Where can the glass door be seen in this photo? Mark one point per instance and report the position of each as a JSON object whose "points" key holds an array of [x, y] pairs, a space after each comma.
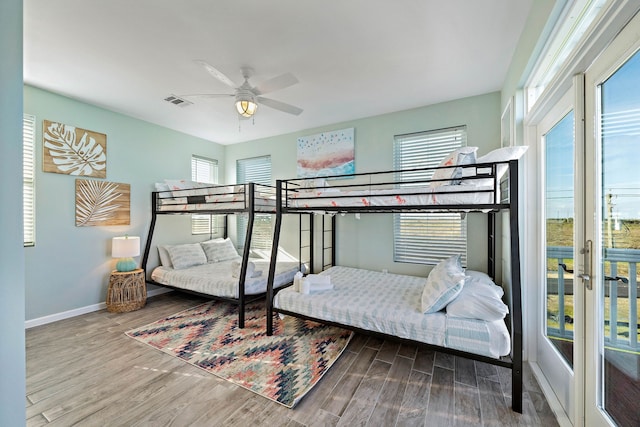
{"points": [[612, 206], [555, 339]]}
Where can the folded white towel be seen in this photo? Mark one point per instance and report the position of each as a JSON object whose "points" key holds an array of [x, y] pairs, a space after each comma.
{"points": [[319, 279], [297, 278], [236, 266], [308, 286]]}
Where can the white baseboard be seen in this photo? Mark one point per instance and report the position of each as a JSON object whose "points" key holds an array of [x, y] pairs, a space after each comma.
{"points": [[554, 403], [80, 311]]}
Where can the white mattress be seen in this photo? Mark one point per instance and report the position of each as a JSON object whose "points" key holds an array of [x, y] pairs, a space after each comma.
{"points": [[216, 279], [424, 195], [221, 202], [390, 304]]}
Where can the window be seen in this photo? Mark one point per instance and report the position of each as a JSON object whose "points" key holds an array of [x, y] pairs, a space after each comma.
{"points": [[256, 170], [427, 238], [29, 179], [574, 19], [204, 170]]}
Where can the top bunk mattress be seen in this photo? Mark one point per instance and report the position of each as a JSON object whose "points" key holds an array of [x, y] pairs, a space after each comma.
{"points": [[390, 304], [188, 196], [395, 197]]}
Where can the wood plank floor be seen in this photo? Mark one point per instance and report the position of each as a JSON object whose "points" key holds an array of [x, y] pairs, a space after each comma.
{"points": [[84, 371]]}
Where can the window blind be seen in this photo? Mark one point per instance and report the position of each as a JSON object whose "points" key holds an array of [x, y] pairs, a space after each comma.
{"points": [[204, 170], [28, 179], [427, 238], [256, 170]]}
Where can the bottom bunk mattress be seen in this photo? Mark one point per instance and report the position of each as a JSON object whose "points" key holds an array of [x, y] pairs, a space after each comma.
{"points": [[216, 278], [391, 304]]}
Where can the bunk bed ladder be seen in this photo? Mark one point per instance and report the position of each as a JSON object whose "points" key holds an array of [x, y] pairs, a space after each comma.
{"points": [[491, 242], [274, 256], [245, 253], [332, 233], [516, 292], [309, 245], [152, 226]]}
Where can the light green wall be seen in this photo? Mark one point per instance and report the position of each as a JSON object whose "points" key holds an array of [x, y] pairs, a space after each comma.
{"points": [[69, 266], [12, 348], [529, 45], [367, 242]]}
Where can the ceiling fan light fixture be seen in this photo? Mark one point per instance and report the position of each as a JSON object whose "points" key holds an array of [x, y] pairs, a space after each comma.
{"points": [[246, 107]]}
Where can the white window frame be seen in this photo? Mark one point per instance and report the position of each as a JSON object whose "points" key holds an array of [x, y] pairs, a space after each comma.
{"points": [[258, 171], [570, 21], [204, 170], [427, 238], [29, 179]]}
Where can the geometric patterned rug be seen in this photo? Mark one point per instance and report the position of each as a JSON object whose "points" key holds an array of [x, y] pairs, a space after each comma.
{"points": [[282, 367]]}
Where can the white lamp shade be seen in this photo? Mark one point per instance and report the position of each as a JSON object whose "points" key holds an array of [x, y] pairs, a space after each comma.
{"points": [[125, 247]]}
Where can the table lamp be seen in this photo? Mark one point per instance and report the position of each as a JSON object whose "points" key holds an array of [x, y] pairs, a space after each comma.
{"points": [[125, 248]]}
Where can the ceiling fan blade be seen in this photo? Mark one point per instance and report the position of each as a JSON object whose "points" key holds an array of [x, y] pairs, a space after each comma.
{"points": [[276, 83], [278, 105], [216, 73], [208, 95]]}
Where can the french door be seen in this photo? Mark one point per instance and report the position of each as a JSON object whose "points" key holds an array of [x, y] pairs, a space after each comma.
{"points": [[612, 223], [556, 335], [587, 342]]}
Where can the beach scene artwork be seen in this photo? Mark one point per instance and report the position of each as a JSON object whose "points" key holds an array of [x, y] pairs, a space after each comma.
{"points": [[327, 153]]}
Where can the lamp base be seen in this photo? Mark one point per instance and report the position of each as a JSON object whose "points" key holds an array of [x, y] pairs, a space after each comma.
{"points": [[125, 264]]}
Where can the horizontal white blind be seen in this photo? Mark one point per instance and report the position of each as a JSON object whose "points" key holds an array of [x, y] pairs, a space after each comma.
{"points": [[256, 170], [28, 179], [204, 170], [427, 238]]}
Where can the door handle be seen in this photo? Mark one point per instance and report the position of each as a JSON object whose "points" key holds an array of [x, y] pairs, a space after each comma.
{"points": [[586, 275]]}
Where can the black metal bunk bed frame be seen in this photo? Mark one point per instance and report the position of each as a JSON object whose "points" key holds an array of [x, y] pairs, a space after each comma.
{"points": [[249, 207], [514, 362]]}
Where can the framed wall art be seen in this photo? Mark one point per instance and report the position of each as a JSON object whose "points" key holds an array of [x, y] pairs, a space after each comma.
{"points": [[73, 151], [102, 203], [327, 153]]}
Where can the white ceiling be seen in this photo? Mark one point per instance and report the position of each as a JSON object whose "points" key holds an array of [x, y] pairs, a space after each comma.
{"points": [[353, 58]]}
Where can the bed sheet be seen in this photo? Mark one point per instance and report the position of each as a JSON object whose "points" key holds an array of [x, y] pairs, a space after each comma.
{"points": [[442, 195], [262, 203], [216, 279], [390, 304]]}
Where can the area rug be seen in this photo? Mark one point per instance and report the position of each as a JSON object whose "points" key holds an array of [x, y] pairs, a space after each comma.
{"points": [[282, 367]]}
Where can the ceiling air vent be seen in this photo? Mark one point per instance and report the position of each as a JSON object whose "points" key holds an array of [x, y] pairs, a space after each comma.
{"points": [[176, 100]]}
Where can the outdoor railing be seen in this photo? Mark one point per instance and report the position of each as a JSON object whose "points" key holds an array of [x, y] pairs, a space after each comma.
{"points": [[615, 286]]}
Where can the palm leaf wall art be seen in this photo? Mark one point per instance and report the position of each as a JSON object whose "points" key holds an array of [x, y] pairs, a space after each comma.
{"points": [[73, 151], [102, 203]]}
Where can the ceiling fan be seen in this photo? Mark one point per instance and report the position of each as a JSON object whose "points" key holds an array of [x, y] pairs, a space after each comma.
{"points": [[247, 96]]}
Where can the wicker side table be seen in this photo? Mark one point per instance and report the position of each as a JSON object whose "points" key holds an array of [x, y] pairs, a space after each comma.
{"points": [[127, 291]]}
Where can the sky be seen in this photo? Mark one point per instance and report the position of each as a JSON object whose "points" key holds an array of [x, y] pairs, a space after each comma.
{"points": [[620, 96]]}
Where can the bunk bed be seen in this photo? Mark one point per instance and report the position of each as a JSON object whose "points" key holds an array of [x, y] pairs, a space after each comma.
{"points": [[389, 305], [214, 268]]}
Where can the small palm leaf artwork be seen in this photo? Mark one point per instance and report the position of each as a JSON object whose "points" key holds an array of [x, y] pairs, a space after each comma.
{"points": [[102, 203], [73, 151]]}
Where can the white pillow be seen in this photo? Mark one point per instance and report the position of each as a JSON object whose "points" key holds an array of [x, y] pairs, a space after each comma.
{"points": [[215, 239], [472, 305], [184, 188], [165, 259], [186, 255], [217, 251], [444, 283], [481, 284], [503, 154], [478, 275], [461, 156], [162, 186]]}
